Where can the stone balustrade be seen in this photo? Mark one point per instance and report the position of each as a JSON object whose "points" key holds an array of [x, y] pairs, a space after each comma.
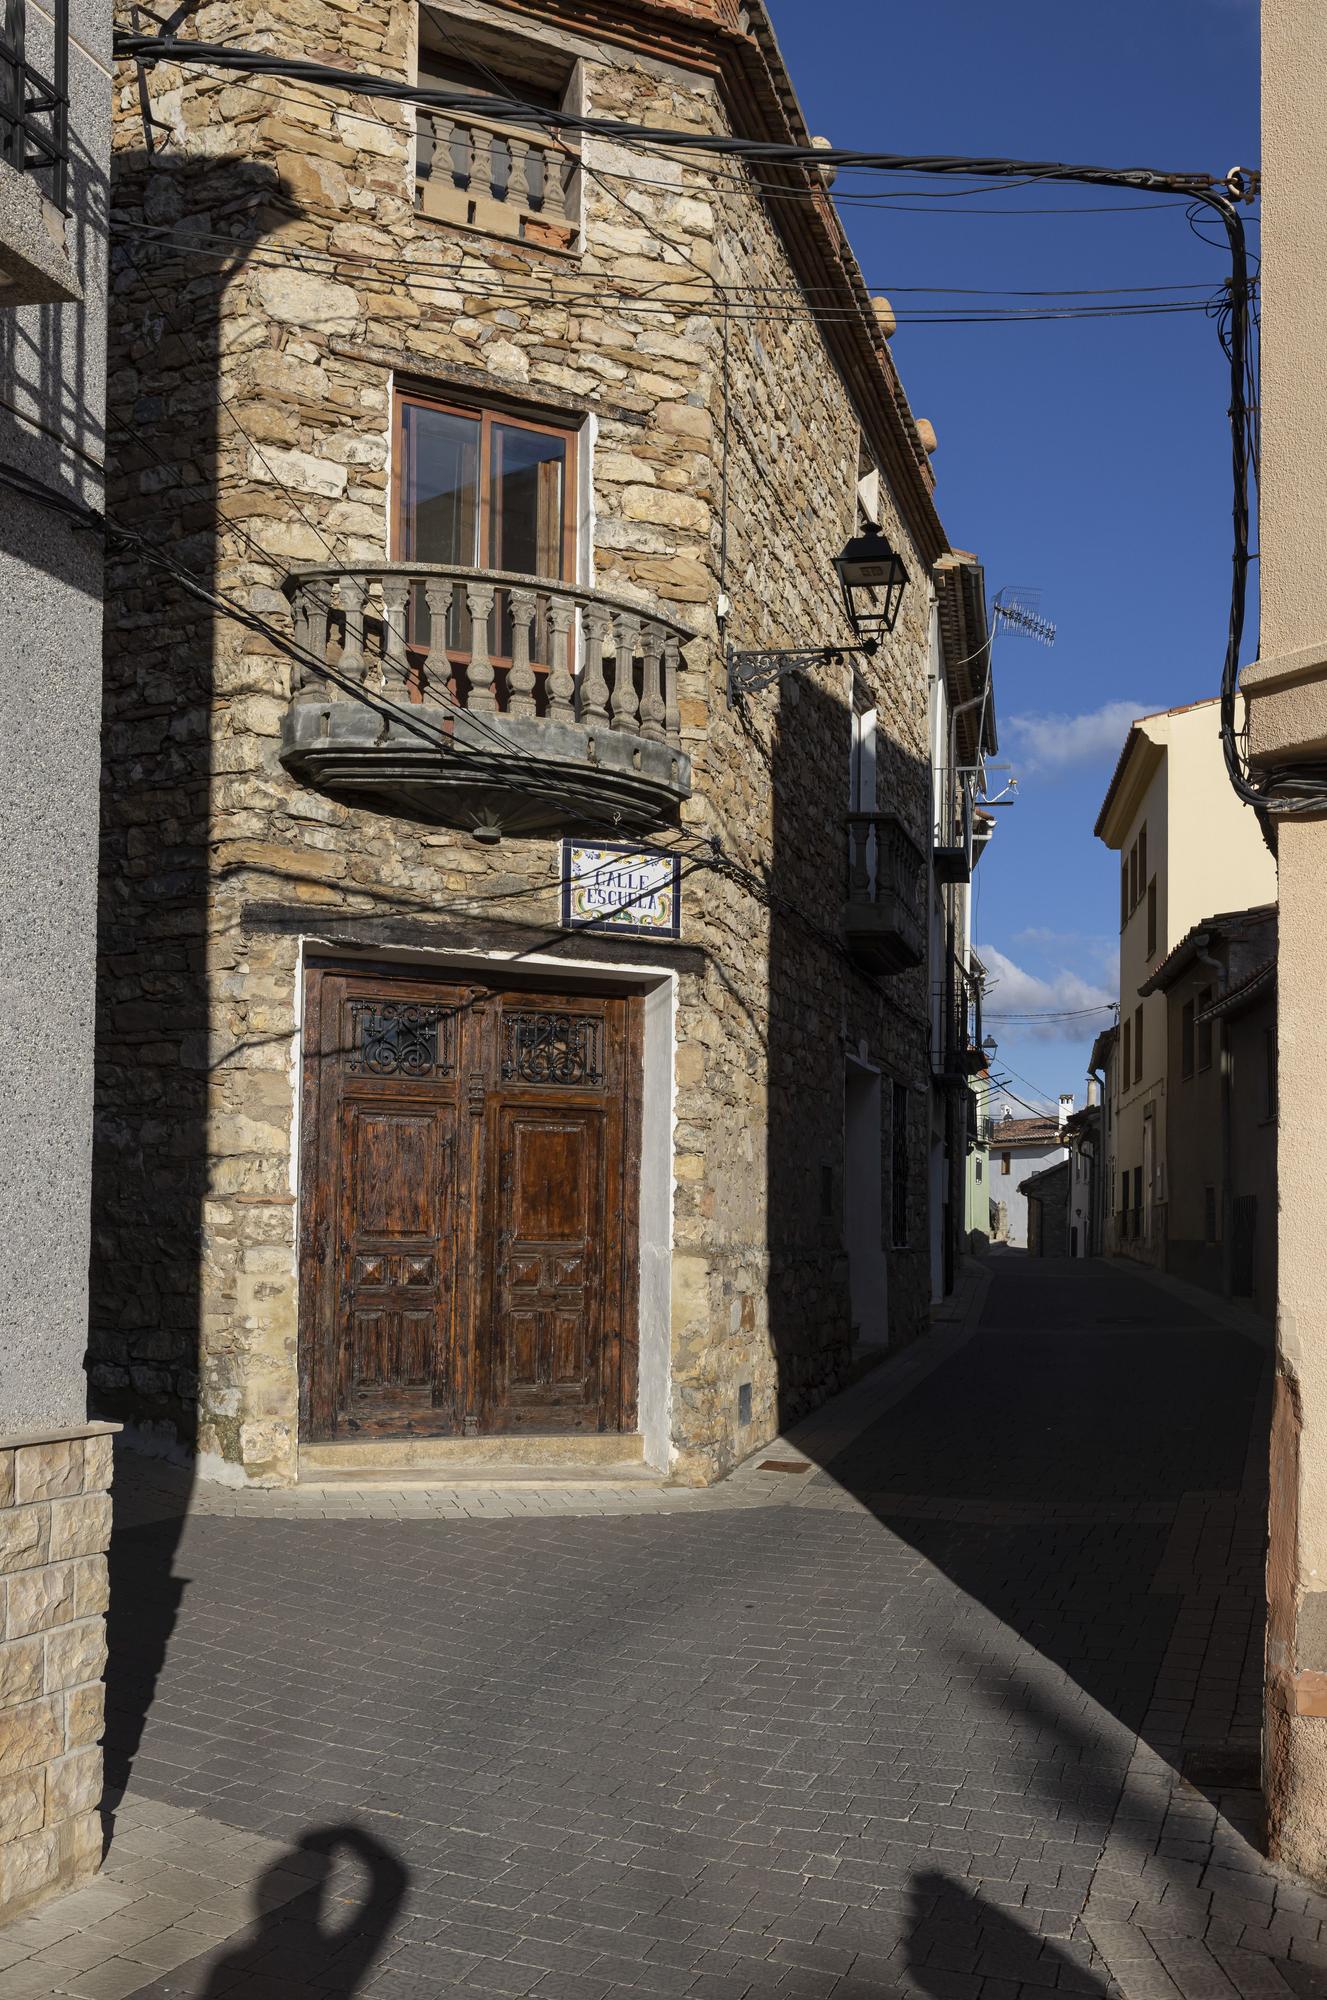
{"points": [[507, 180], [502, 668]]}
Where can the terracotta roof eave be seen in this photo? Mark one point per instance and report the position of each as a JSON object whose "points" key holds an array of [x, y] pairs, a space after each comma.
{"points": [[1241, 996], [1194, 942]]}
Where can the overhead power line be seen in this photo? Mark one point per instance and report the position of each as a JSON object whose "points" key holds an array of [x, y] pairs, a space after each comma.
{"points": [[1303, 789]]}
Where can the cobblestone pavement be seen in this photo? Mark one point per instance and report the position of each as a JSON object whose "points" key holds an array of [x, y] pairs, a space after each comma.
{"points": [[967, 1709]]}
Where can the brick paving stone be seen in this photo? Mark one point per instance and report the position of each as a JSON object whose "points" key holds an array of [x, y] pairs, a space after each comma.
{"points": [[931, 1719]]}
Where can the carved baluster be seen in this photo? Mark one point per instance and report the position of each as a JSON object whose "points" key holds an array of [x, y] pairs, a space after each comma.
{"points": [[554, 193], [396, 665], [672, 661], [428, 134], [437, 667], [859, 874], [311, 634], [518, 179], [520, 676], [479, 598], [594, 688], [626, 640], [652, 701], [561, 686], [481, 164], [299, 621], [350, 590]]}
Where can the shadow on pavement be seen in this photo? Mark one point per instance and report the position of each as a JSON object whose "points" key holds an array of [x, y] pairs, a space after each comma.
{"points": [[324, 1941]]}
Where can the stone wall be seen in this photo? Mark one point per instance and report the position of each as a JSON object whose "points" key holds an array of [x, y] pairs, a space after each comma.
{"points": [[305, 286], [55, 1525]]}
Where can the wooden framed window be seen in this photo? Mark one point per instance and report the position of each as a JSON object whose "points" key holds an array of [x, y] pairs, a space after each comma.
{"points": [[1126, 1067], [481, 488], [1152, 917], [484, 489], [1004, 1163]]}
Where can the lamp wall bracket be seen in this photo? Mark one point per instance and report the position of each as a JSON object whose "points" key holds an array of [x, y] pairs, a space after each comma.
{"points": [[760, 667]]}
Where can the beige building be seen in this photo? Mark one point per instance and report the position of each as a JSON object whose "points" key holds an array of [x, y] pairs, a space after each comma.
{"points": [[514, 1024], [1286, 691], [1187, 847]]}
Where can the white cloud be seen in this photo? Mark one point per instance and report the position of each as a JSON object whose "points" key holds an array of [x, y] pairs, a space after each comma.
{"points": [[1103, 951], [1052, 742], [1012, 990]]}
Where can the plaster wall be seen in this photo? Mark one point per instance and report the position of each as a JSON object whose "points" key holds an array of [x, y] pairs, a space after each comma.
{"points": [[1024, 1161], [52, 362], [1207, 854], [1288, 719]]}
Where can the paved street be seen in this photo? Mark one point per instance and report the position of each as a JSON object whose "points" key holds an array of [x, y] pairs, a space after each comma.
{"points": [[967, 1709]]}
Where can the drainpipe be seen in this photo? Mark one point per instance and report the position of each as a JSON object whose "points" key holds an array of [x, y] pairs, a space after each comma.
{"points": [[1227, 1199], [1098, 1077]]}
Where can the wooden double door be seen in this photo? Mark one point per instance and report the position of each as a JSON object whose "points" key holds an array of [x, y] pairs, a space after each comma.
{"points": [[468, 1207]]}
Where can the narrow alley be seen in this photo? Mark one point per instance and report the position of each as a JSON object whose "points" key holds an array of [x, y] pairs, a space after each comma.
{"points": [[962, 1702]]}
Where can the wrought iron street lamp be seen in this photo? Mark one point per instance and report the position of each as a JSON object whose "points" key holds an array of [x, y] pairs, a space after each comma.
{"points": [[872, 577]]}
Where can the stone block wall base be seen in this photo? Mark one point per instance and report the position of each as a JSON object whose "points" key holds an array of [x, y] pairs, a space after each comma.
{"points": [[38, 1866], [1295, 1781], [55, 1528]]}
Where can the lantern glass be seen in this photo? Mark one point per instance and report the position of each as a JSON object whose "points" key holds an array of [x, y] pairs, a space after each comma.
{"points": [[872, 578]]}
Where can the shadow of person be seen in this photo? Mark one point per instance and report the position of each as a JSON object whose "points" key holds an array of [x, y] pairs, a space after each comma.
{"points": [[294, 1950]]}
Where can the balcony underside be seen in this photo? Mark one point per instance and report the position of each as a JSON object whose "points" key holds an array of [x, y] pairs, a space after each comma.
{"points": [[884, 937], [520, 774]]}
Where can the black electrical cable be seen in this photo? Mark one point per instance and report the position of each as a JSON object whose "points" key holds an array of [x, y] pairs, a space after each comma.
{"points": [[1304, 789]]}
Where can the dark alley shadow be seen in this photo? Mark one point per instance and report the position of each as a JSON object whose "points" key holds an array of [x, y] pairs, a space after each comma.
{"points": [[1091, 1468], [849, 1075], [150, 1186]]}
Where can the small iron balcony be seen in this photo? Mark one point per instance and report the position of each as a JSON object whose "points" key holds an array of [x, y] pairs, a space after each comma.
{"points": [[884, 923], [483, 698]]}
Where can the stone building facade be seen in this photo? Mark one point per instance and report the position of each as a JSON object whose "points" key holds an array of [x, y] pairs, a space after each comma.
{"points": [[318, 298]]}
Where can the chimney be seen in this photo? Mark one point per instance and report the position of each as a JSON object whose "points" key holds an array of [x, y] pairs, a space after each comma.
{"points": [[1093, 1091], [1066, 1107]]}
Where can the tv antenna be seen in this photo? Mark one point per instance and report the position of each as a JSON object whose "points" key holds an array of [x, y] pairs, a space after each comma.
{"points": [[1018, 609]]}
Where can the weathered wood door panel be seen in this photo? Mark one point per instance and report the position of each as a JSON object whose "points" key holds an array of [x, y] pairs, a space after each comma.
{"points": [[468, 1208], [549, 1276], [396, 1281]]}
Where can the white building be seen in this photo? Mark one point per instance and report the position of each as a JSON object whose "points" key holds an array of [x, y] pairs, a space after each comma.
{"points": [[1020, 1147]]}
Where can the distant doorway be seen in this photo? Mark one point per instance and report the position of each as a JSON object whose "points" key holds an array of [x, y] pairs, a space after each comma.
{"points": [[863, 1216]]}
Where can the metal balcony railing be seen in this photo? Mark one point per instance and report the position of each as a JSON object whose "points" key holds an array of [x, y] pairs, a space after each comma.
{"points": [[885, 921], [505, 179], [34, 108]]}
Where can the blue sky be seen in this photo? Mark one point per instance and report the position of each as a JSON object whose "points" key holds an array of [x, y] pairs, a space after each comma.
{"points": [[1087, 460]]}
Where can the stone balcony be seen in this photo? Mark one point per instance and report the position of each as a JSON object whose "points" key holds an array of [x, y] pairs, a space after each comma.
{"points": [[486, 700], [506, 180], [885, 923]]}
